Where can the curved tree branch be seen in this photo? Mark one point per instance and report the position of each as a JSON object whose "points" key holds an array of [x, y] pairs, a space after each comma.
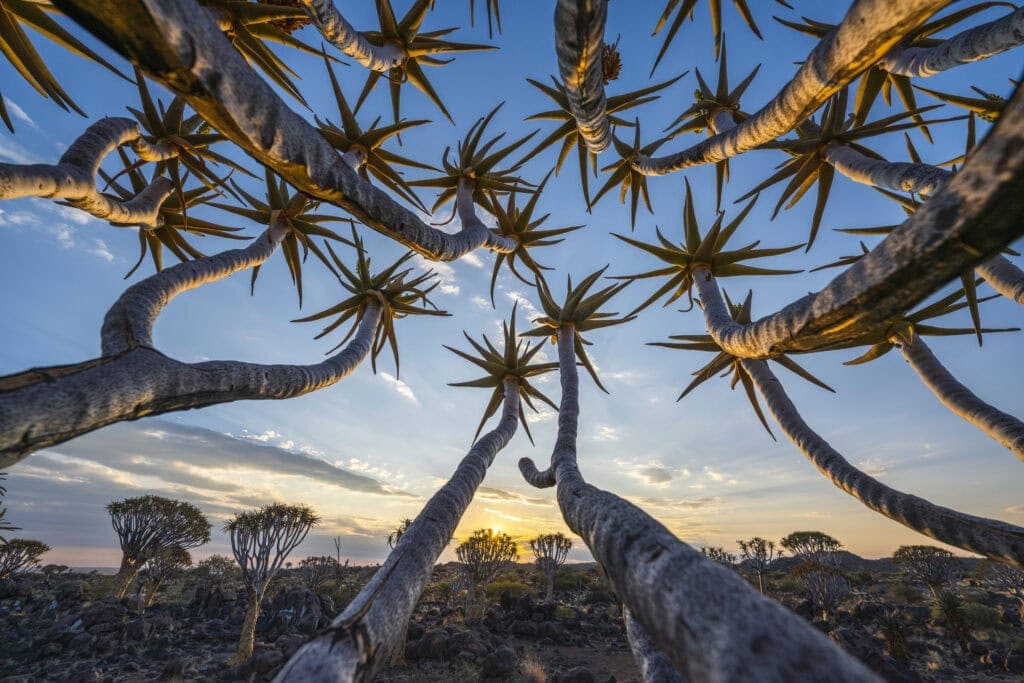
{"points": [[73, 178], [870, 29], [358, 642], [968, 46], [988, 537], [579, 39], [971, 219], [181, 47], [708, 621], [1004, 428], [44, 407], [341, 34]]}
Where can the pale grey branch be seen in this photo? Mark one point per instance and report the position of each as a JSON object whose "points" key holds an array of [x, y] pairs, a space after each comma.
{"points": [[357, 643], [968, 46], [1004, 277], [73, 177], [868, 31], [339, 33]]}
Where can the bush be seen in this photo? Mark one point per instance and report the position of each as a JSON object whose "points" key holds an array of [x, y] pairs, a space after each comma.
{"points": [[562, 612], [1018, 647], [567, 579], [599, 597], [902, 592], [514, 586], [981, 616], [341, 592]]}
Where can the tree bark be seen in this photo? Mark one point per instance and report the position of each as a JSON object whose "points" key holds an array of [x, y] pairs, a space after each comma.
{"points": [[1004, 428], [151, 592], [248, 636], [899, 176], [988, 537], [549, 585], [177, 44], [655, 667], [1004, 277], [710, 622], [579, 42], [968, 46], [125, 576], [357, 643], [870, 29], [338, 32], [43, 407], [73, 178]]}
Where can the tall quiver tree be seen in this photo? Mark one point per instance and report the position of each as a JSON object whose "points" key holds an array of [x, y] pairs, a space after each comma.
{"points": [[261, 540], [932, 566], [20, 555], [550, 551], [147, 523], [483, 555], [759, 554]]}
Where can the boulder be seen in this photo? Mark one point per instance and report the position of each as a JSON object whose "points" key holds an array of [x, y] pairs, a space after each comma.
{"points": [[103, 612], [499, 664]]}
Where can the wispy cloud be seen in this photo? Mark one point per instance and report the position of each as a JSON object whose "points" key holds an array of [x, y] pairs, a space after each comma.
{"points": [[472, 259], [403, 389], [652, 472], [19, 113], [15, 153], [445, 273], [605, 433]]}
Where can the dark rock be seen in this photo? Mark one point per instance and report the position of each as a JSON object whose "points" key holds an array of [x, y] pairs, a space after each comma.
{"points": [[413, 631], [267, 660], [465, 641], [579, 674], [140, 629], [290, 643], [432, 644], [500, 663], [1014, 663], [104, 612]]}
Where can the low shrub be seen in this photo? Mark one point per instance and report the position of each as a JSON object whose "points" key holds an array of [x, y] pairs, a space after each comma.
{"points": [[513, 586], [981, 616]]}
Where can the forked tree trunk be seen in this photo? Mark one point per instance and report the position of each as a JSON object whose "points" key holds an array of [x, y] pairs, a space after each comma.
{"points": [[151, 592], [248, 635], [549, 584], [358, 642], [1004, 428]]}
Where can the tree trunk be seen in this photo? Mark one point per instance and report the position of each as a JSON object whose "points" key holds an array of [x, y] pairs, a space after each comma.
{"points": [[357, 643], [706, 619], [655, 667], [1004, 428], [760, 582], [248, 635], [988, 537], [579, 38], [126, 574], [549, 585], [151, 592], [895, 175]]}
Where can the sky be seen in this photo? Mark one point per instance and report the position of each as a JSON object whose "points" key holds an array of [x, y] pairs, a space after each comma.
{"points": [[370, 450]]}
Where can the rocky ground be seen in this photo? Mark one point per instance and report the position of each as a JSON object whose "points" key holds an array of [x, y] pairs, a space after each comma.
{"points": [[61, 629]]}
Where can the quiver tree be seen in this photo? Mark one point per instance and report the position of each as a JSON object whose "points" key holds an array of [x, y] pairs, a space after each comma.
{"points": [[318, 569], [758, 554], [5, 525], [146, 524], [481, 557], [934, 567], [1007, 578], [19, 555], [260, 541], [163, 563], [812, 547], [362, 639], [719, 555], [395, 535], [551, 551]]}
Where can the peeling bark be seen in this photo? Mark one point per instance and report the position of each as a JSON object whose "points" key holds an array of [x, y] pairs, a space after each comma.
{"points": [[579, 39], [1004, 428], [708, 621], [73, 177], [988, 537], [980, 42], [870, 29], [358, 642]]}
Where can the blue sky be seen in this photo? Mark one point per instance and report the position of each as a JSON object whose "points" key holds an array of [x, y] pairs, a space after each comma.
{"points": [[368, 451]]}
